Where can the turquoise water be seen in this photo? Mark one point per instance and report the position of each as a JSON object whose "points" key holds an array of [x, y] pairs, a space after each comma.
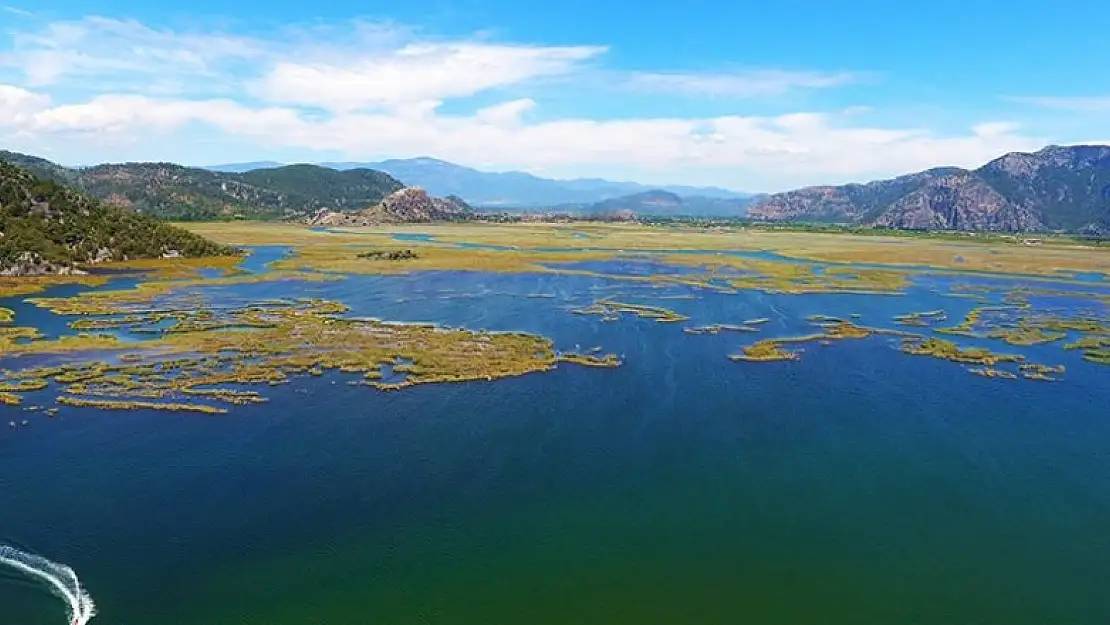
{"points": [[857, 485]]}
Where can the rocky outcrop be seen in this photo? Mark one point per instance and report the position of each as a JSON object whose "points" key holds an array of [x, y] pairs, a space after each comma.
{"points": [[407, 205], [413, 204], [328, 218], [1057, 188], [33, 264]]}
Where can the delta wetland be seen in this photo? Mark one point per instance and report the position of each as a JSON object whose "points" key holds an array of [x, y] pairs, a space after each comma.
{"points": [[397, 306]]}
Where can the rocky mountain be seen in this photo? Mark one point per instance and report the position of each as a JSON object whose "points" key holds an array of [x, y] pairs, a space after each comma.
{"points": [[660, 203], [1057, 188], [190, 193], [513, 189], [407, 205], [46, 227]]}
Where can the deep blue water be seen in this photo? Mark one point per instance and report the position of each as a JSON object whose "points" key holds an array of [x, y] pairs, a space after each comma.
{"points": [[857, 485]]}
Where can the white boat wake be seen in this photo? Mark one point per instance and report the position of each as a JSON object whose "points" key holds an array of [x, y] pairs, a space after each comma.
{"points": [[62, 580]]}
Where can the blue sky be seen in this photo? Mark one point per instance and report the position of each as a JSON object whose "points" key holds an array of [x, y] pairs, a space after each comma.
{"points": [[753, 96]]}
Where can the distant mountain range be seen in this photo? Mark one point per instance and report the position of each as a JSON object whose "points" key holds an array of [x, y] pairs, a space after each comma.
{"points": [[1057, 188], [1054, 189], [503, 190], [659, 203]]}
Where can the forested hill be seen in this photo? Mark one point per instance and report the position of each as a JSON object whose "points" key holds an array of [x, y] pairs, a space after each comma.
{"points": [[190, 193], [47, 227]]}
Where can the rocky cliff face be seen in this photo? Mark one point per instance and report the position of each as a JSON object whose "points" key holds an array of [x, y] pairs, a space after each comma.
{"points": [[809, 204], [1064, 188], [851, 203], [959, 201], [413, 204], [407, 205]]}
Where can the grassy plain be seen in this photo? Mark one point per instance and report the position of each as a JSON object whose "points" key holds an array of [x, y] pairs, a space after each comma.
{"points": [[531, 244]]}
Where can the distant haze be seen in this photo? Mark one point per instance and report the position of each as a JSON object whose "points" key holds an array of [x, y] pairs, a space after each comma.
{"points": [[511, 189]]}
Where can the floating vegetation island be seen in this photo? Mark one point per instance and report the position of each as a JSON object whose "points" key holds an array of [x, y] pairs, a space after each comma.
{"points": [[163, 344], [203, 358], [940, 348], [717, 328], [405, 254], [832, 328], [779, 349], [611, 310], [921, 319], [1018, 322]]}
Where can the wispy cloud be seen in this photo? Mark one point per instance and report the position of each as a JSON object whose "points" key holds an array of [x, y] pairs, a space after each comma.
{"points": [[1078, 104], [744, 84], [330, 66], [16, 11], [122, 53], [420, 74]]}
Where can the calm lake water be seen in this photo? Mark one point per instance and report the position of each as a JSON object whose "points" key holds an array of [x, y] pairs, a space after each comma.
{"points": [[857, 485]]}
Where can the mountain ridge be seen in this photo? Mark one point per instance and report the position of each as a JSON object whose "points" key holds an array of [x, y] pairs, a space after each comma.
{"points": [[191, 193], [1057, 188], [663, 203]]}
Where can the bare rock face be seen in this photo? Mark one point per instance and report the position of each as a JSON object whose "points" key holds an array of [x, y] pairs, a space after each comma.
{"points": [[102, 255], [413, 204], [850, 203], [1057, 188], [408, 205], [958, 202], [33, 264], [809, 204], [329, 218]]}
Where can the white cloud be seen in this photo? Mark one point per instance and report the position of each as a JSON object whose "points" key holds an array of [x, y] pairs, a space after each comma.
{"points": [[140, 114], [370, 90], [1079, 104], [762, 152], [17, 104], [418, 73], [740, 84], [506, 113], [988, 130]]}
